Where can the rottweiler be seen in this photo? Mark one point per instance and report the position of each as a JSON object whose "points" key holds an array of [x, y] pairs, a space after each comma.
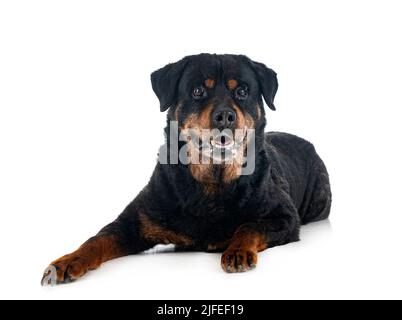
{"points": [[213, 206]]}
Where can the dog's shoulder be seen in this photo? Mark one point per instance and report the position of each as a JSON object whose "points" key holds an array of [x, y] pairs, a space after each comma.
{"points": [[288, 144]]}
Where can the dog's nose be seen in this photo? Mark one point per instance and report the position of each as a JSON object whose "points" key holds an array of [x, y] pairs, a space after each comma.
{"points": [[224, 118]]}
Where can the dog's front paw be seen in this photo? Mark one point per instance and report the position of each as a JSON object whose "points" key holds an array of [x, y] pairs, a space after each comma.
{"points": [[66, 269], [239, 259]]}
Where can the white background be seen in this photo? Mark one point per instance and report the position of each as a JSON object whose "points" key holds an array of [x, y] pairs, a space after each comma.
{"points": [[80, 128]]}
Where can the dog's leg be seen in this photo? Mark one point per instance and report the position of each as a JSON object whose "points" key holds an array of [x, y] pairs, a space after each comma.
{"points": [[132, 232], [117, 239], [88, 256], [281, 227]]}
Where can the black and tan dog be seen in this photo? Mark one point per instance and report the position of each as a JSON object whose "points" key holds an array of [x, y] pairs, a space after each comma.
{"points": [[213, 207]]}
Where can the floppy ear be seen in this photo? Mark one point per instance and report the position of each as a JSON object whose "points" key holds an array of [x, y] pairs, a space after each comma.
{"points": [[165, 82], [268, 82]]}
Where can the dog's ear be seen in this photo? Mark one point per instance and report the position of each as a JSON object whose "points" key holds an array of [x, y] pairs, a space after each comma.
{"points": [[165, 82], [268, 82]]}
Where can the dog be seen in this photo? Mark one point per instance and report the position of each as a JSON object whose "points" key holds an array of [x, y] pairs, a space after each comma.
{"points": [[213, 206]]}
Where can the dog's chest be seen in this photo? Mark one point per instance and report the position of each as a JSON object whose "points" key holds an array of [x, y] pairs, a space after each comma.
{"points": [[213, 215], [212, 221]]}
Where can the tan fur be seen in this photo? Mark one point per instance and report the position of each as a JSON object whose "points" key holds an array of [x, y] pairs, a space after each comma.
{"points": [[88, 257], [232, 84], [159, 234], [204, 119], [200, 172], [232, 171], [177, 112], [242, 253], [218, 246], [209, 83], [253, 241], [203, 172], [190, 122], [199, 121], [258, 112]]}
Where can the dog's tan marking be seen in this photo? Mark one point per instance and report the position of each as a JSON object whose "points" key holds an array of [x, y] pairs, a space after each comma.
{"points": [[241, 121], [156, 233], [254, 241], [203, 173], [231, 172], [190, 122], [200, 172], [258, 112], [89, 256], [242, 253], [204, 119], [218, 246], [249, 121], [244, 120], [177, 112], [209, 83], [232, 84], [199, 121]]}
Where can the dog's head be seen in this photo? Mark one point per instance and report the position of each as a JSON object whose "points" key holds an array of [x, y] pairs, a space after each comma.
{"points": [[221, 93]]}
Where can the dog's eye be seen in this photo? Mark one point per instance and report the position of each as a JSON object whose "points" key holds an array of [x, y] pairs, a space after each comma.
{"points": [[199, 93], [241, 93]]}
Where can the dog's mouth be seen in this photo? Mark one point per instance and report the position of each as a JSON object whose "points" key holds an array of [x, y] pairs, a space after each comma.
{"points": [[220, 147], [222, 142]]}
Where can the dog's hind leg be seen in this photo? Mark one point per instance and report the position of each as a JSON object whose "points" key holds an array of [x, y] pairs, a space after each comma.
{"points": [[317, 200]]}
